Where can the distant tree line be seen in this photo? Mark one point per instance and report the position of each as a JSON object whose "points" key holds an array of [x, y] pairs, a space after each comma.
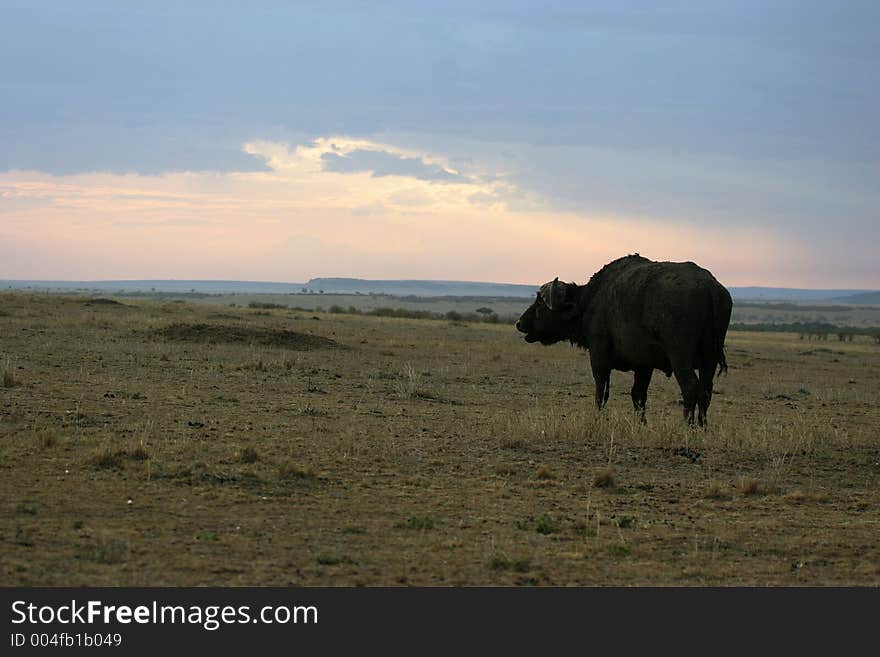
{"points": [[796, 307], [812, 330], [485, 315]]}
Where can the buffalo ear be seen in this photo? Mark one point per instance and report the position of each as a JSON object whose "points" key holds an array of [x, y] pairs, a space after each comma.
{"points": [[567, 300]]}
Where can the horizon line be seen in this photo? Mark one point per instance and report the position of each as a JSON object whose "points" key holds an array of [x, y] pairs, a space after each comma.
{"points": [[376, 280]]}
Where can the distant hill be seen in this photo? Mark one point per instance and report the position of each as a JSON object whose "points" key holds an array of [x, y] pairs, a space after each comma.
{"points": [[420, 288], [860, 298], [796, 295], [428, 288], [146, 286], [403, 288]]}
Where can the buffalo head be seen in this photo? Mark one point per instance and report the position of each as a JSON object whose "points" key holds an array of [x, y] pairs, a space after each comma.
{"points": [[548, 319]]}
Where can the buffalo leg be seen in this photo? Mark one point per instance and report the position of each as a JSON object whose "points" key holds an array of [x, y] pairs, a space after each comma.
{"points": [[601, 375], [707, 374], [603, 387], [639, 392], [690, 391]]}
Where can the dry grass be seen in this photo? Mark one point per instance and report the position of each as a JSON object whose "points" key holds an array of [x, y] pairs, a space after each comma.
{"points": [[416, 452], [749, 487], [410, 384], [544, 472], [248, 455], [108, 458], [604, 478], [45, 438], [715, 490], [807, 496], [289, 470], [7, 374]]}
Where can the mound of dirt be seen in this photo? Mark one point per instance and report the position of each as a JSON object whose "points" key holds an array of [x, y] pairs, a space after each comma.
{"points": [[100, 301], [227, 333]]}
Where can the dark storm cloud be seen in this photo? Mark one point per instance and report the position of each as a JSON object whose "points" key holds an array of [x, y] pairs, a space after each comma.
{"points": [[383, 163], [97, 85]]}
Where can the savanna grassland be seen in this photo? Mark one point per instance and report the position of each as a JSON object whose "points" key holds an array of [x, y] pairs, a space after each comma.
{"points": [[148, 443]]}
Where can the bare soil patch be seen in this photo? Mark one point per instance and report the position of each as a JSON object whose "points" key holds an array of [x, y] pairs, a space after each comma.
{"points": [[101, 301], [252, 335]]}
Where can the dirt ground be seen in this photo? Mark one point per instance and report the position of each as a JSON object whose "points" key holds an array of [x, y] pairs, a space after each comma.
{"points": [[173, 444]]}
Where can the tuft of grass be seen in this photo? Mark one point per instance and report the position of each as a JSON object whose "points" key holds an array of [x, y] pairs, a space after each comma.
{"points": [[799, 496], [543, 472], [755, 487], [8, 375], [105, 550], [45, 438], [138, 453], [311, 411], [584, 530], [716, 491], [546, 525], [114, 459], [421, 523], [108, 459], [329, 560], [248, 455], [749, 487], [604, 478], [625, 522], [501, 561], [619, 550], [293, 471], [521, 566], [314, 387], [354, 529], [410, 384]]}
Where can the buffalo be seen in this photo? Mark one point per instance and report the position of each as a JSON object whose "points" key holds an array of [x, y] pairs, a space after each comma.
{"points": [[639, 315]]}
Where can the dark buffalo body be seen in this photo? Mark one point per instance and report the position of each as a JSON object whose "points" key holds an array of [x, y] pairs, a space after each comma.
{"points": [[639, 315]]}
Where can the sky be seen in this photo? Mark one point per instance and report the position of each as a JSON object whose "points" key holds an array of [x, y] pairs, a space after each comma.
{"points": [[487, 141]]}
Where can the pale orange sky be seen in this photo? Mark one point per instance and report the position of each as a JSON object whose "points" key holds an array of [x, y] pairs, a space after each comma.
{"points": [[297, 220]]}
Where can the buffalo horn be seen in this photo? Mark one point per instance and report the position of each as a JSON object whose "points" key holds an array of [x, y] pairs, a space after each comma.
{"points": [[548, 292]]}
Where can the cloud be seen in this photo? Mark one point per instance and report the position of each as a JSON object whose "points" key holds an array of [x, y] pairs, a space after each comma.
{"points": [[483, 199], [370, 177], [413, 197], [294, 220], [375, 208], [383, 163], [801, 197]]}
